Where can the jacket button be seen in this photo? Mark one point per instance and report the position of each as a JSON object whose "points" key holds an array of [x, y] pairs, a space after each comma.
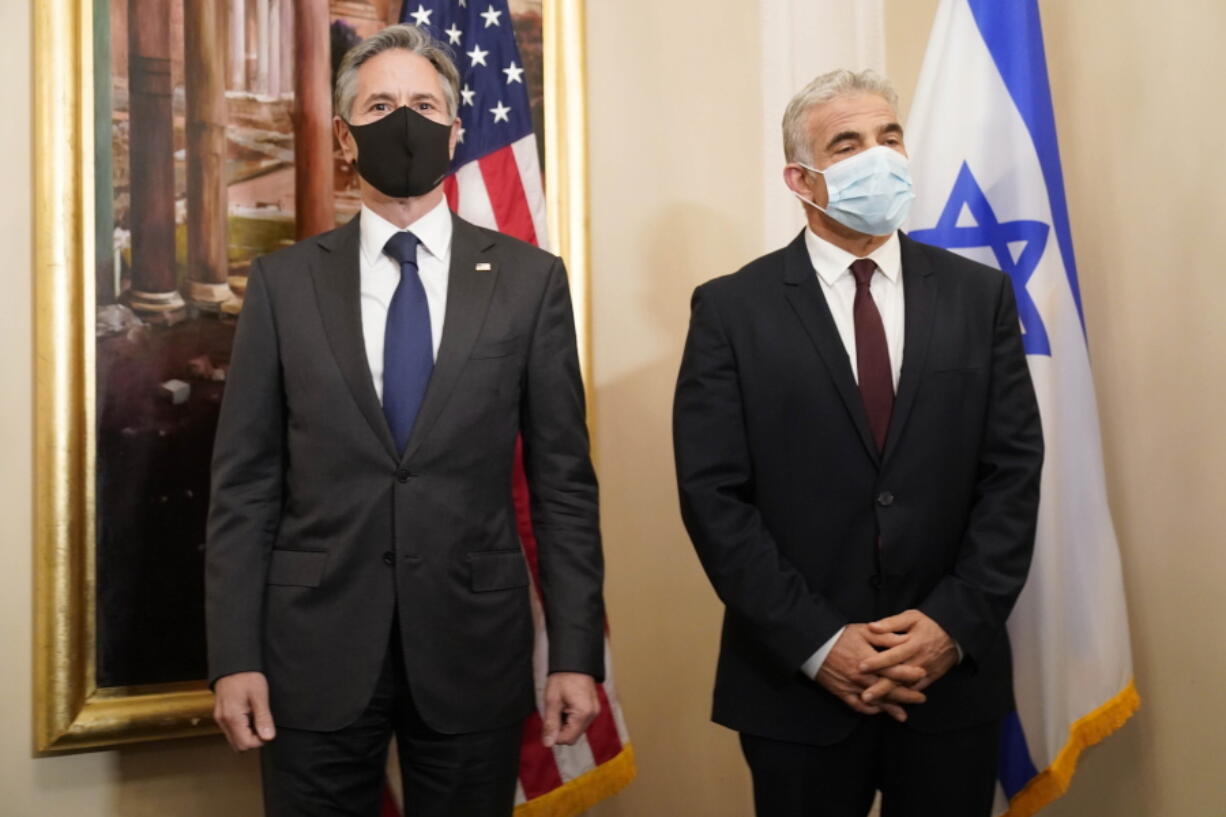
{"points": [[885, 499], [403, 474], [875, 580], [389, 558]]}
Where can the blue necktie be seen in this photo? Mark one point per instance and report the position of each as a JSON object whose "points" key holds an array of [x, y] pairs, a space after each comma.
{"points": [[408, 348]]}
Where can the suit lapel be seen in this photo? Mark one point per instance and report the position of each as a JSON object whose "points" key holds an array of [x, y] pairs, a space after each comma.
{"points": [[803, 292], [468, 299], [919, 299], [337, 280]]}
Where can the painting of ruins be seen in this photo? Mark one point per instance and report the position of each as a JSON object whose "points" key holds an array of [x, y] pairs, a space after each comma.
{"points": [[213, 146]]}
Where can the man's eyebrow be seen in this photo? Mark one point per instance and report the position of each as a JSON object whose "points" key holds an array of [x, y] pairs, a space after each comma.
{"points": [[430, 95], [839, 137], [893, 127], [379, 96]]}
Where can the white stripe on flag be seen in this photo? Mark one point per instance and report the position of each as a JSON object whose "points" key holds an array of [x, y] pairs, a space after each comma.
{"points": [[530, 175], [540, 646], [520, 797], [474, 198], [574, 761], [394, 782], [610, 688]]}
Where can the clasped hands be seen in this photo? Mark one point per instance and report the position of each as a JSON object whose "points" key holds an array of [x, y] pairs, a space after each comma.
{"points": [[882, 665]]}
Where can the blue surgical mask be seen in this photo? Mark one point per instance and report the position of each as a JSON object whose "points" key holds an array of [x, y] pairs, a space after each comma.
{"points": [[869, 192]]}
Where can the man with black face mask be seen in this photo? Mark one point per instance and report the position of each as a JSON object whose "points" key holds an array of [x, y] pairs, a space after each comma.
{"points": [[364, 575]]}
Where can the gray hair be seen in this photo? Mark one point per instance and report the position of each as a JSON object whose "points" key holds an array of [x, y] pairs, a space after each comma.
{"points": [[823, 89], [407, 37]]}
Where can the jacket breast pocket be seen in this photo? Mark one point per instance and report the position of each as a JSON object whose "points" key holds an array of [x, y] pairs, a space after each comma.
{"points": [[297, 568], [501, 347], [497, 570]]}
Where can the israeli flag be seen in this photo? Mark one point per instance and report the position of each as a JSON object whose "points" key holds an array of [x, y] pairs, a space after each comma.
{"points": [[982, 138]]}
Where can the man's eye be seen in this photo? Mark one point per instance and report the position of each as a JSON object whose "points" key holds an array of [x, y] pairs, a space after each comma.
{"points": [[425, 106]]}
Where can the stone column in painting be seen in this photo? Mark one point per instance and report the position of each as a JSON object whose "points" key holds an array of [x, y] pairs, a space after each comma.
{"points": [[236, 51], [314, 208], [274, 48], [204, 66], [104, 184], [287, 47], [263, 46], [251, 44], [153, 294]]}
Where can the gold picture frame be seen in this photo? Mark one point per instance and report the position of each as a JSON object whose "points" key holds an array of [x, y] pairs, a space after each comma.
{"points": [[70, 711]]}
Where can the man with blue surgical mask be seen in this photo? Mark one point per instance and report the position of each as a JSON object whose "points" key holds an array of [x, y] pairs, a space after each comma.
{"points": [[858, 455]]}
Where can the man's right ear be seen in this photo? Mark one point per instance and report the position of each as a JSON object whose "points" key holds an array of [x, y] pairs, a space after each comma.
{"points": [[794, 178], [349, 147]]}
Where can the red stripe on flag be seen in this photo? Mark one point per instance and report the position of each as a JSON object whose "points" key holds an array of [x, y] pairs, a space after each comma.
{"points": [[507, 196], [602, 735], [388, 807], [451, 189], [523, 509], [538, 770]]}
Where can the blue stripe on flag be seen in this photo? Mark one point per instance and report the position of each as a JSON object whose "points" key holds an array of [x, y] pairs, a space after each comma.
{"points": [[1016, 767], [1014, 37]]}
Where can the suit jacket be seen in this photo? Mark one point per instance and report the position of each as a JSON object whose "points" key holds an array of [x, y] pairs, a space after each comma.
{"points": [[786, 497], [319, 533]]}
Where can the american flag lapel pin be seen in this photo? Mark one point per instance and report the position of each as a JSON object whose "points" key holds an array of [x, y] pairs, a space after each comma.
{"points": [[484, 266]]}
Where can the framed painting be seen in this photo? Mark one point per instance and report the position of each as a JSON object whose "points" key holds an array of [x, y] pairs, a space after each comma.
{"points": [[175, 140]]}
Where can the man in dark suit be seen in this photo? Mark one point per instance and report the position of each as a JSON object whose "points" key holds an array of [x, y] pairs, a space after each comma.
{"points": [[364, 574], [858, 454]]}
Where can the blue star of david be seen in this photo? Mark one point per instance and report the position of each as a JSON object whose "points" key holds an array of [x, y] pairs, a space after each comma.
{"points": [[987, 231]]}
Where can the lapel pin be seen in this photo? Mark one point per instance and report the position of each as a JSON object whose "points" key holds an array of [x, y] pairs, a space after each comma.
{"points": [[484, 265]]}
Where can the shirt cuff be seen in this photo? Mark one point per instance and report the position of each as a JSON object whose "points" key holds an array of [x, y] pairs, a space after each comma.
{"points": [[811, 667]]}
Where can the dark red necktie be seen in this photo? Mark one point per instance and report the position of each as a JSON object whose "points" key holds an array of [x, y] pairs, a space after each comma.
{"points": [[872, 354]]}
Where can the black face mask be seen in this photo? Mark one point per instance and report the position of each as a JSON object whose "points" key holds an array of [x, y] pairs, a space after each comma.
{"points": [[403, 154]]}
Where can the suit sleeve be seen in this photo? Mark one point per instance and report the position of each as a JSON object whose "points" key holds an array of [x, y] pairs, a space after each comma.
{"points": [[973, 602], [245, 502], [764, 591], [562, 485]]}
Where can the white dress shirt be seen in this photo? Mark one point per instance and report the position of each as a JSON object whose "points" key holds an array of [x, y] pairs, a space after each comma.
{"points": [[833, 267], [380, 274]]}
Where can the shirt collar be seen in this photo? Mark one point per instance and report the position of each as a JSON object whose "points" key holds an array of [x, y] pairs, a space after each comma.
{"points": [[433, 230], [832, 262]]}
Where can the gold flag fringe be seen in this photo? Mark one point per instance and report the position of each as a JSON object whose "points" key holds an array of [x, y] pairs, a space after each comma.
{"points": [[577, 796], [1053, 781]]}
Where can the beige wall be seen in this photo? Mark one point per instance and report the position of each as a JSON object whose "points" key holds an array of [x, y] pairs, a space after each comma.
{"points": [[675, 147], [675, 144]]}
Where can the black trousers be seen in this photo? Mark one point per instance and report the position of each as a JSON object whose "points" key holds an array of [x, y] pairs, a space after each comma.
{"points": [[342, 773], [951, 774]]}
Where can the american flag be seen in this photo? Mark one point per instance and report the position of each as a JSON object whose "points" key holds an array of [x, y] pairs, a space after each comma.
{"points": [[496, 183]]}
